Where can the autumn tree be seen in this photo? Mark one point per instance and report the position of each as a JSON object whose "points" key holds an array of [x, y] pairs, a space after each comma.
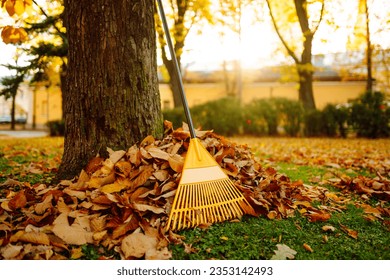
{"points": [[183, 15], [112, 98], [11, 85], [43, 41], [284, 14]]}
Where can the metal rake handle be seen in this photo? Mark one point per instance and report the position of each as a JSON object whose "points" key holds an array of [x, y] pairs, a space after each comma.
{"points": [[177, 70]]}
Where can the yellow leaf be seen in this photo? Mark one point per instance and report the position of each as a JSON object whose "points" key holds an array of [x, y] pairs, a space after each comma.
{"points": [[224, 238], [308, 248], [19, 7], [272, 215], [111, 188], [76, 253]]}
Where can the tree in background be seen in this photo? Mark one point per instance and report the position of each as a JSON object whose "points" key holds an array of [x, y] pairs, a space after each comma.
{"points": [[11, 85], [284, 15], [184, 15], [112, 98], [44, 42]]}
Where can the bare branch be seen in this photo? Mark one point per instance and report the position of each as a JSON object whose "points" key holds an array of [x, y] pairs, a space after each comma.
{"points": [[289, 50]]}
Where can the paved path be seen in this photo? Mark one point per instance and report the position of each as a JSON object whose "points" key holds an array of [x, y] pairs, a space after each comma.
{"points": [[22, 133]]}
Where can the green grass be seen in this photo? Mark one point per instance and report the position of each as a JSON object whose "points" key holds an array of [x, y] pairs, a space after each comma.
{"points": [[256, 238], [253, 238]]}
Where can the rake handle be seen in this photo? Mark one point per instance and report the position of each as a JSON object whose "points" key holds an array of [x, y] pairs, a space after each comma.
{"points": [[177, 69]]}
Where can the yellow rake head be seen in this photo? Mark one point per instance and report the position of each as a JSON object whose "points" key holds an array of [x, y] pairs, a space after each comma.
{"points": [[205, 194]]}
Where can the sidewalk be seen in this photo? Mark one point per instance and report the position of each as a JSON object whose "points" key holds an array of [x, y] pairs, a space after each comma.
{"points": [[4, 134]]}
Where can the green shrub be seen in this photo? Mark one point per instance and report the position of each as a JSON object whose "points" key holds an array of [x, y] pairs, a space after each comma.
{"points": [[56, 128], [261, 118], [176, 116], [291, 115], [314, 123], [224, 116], [370, 115]]}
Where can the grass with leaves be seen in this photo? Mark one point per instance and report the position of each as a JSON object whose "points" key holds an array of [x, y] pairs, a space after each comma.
{"points": [[350, 233]]}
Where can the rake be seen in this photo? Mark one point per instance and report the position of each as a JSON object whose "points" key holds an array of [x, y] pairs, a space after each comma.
{"points": [[205, 194]]}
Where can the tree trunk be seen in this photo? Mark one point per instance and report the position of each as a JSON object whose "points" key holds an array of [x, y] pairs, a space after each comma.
{"points": [[306, 95], [174, 82], [13, 107], [305, 73], [111, 98], [370, 79]]}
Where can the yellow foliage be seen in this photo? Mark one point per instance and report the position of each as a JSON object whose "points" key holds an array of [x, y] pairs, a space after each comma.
{"points": [[17, 7], [11, 34]]}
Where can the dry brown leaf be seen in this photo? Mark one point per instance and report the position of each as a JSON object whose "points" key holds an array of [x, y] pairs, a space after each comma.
{"points": [[137, 244], [318, 216], [328, 228], [145, 207], [272, 215], [161, 175], [283, 252], [18, 201], [153, 254], [350, 232], [76, 253], [176, 162], [122, 168], [308, 248], [130, 225], [114, 187], [74, 234], [78, 194], [148, 140], [157, 153], [115, 156], [41, 208], [35, 238], [146, 172], [10, 251]]}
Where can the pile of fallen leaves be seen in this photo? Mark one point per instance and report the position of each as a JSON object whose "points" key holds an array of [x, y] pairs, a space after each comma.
{"points": [[121, 203]]}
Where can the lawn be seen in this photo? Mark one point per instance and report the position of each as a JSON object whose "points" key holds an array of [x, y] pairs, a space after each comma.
{"points": [[351, 175]]}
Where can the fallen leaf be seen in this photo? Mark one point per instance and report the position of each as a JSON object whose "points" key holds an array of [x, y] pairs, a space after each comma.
{"points": [[74, 234], [308, 248], [318, 216], [41, 208], [350, 232], [111, 188], [10, 251], [18, 201], [283, 252], [328, 228], [35, 238], [145, 207], [137, 244]]}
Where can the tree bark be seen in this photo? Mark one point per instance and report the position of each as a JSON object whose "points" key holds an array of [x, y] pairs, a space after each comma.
{"points": [[303, 65], [112, 98], [370, 79]]}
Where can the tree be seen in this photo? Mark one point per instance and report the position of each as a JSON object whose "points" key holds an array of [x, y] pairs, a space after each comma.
{"points": [[112, 98], [43, 42], [362, 36], [185, 14], [308, 29], [11, 86]]}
